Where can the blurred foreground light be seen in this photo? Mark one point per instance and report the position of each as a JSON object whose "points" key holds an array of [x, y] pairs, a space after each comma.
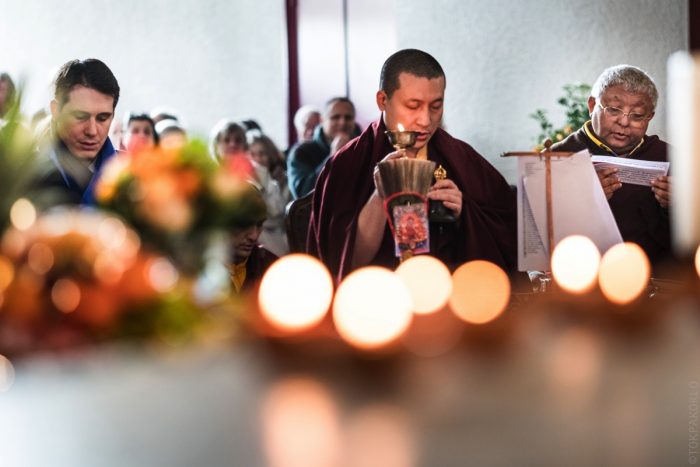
{"points": [[22, 214], [381, 435], [624, 273], [300, 424], [65, 295], [295, 293], [572, 367], [40, 258], [108, 268], [7, 374], [429, 282], [162, 275], [575, 264], [112, 232], [372, 307], [697, 261], [480, 291]]}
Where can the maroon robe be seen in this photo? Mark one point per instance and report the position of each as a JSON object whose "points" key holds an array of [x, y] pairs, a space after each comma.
{"points": [[486, 228], [638, 214]]}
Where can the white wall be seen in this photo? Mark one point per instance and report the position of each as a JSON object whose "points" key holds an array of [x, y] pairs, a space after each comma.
{"points": [[208, 59], [505, 58], [371, 39], [215, 58]]}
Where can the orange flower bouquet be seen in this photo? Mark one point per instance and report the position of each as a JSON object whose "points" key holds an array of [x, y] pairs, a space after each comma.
{"points": [[178, 199], [79, 277]]}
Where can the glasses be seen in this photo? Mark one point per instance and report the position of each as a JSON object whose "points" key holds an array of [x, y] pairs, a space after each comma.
{"points": [[614, 112]]}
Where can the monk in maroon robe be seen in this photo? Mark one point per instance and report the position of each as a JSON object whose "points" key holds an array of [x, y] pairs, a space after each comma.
{"points": [[622, 104], [348, 226]]}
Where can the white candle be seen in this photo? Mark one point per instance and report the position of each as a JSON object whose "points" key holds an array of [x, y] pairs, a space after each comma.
{"points": [[684, 138]]}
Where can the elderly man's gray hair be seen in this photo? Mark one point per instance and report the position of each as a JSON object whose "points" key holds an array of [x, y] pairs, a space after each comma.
{"points": [[631, 78]]}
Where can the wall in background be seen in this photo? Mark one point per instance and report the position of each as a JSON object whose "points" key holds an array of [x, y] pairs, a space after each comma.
{"points": [[506, 58], [371, 37], [503, 58], [207, 60]]}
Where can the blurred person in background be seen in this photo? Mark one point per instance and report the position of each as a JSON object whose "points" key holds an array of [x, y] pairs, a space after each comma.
{"points": [[229, 146], [248, 259], [306, 119], [264, 152], [308, 158], [139, 133], [170, 134], [227, 139]]}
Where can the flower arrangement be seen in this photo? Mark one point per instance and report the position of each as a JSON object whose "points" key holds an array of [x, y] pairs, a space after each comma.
{"points": [[574, 101], [75, 277], [178, 199]]}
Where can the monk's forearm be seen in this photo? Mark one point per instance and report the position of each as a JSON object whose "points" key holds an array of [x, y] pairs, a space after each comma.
{"points": [[370, 230]]}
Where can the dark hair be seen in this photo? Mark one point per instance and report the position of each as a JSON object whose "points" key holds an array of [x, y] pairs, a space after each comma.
{"points": [[91, 73], [412, 61], [333, 100], [273, 154], [143, 117], [250, 124], [250, 209]]}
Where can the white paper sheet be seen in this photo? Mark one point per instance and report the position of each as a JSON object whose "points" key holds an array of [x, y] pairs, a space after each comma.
{"points": [[579, 207], [637, 172]]}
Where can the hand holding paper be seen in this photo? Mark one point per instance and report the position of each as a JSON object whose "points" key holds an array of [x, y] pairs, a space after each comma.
{"points": [[662, 190], [637, 172]]}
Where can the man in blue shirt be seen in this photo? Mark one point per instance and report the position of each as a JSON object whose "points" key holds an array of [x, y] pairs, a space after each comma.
{"points": [[76, 142]]}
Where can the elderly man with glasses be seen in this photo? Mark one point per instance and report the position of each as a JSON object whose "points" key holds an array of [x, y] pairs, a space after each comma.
{"points": [[621, 105]]}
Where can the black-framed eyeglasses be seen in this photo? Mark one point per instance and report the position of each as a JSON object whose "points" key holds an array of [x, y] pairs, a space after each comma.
{"points": [[614, 112]]}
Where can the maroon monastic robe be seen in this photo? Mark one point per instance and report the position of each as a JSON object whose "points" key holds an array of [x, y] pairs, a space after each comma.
{"points": [[486, 228]]}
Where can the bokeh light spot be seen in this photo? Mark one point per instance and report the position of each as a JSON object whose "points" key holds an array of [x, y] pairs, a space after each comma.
{"points": [[624, 273], [372, 307], [112, 232], [40, 258], [575, 264], [480, 291], [429, 282], [161, 274], [65, 295], [108, 268], [22, 214], [295, 293]]}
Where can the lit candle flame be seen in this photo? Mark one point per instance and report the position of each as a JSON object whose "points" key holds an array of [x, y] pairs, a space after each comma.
{"points": [[401, 128], [575, 263], [372, 308], [295, 293], [429, 283], [624, 273], [480, 292]]}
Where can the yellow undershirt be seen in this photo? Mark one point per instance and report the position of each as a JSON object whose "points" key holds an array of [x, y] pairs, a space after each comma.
{"points": [[588, 129], [238, 273]]}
